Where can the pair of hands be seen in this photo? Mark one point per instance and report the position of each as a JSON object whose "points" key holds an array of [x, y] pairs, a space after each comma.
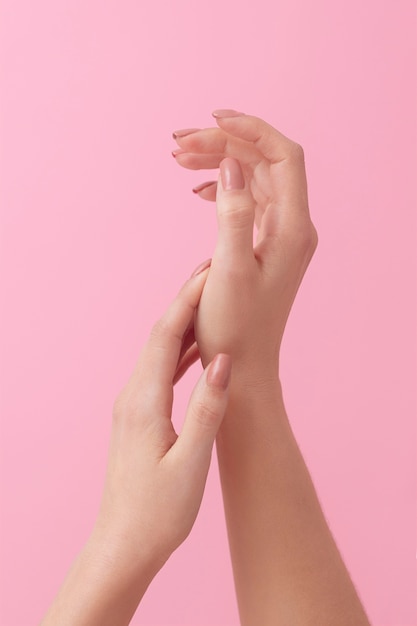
{"points": [[232, 314]]}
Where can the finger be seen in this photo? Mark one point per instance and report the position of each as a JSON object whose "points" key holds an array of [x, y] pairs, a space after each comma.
{"points": [[197, 161], [190, 357], [272, 144], [158, 360], [189, 339], [235, 214], [214, 141], [286, 157], [204, 415], [207, 190]]}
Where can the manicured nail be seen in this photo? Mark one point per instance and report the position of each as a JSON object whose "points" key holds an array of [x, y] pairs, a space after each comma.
{"points": [[219, 371], [226, 113], [232, 175], [200, 268], [177, 152], [184, 132], [202, 186]]}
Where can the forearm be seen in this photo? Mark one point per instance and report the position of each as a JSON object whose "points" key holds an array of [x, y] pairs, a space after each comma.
{"points": [[286, 565], [102, 588]]}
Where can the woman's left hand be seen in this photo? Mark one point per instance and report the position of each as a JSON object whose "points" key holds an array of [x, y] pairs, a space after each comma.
{"points": [[155, 478]]}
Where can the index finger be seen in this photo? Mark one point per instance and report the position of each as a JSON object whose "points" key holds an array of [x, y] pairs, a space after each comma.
{"points": [[157, 363], [268, 140]]}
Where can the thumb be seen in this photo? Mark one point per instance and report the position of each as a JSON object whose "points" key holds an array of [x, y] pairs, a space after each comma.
{"points": [[205, 413], [235, 213]]}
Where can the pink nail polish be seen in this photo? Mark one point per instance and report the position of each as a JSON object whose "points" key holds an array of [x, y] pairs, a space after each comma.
{"points": [[219, 371], [200, 268], [226, 113], [184, 132], [231, 174], [202, 186], [175, 153]]}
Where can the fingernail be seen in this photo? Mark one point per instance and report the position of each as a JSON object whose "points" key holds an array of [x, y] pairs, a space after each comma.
{"points": [[219, 371], [200, 268], [226, 113], [184, 132], [177, 152], [202, 186], [232, 175]]}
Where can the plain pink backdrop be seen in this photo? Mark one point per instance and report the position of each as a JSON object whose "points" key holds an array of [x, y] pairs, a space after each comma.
{"points": [[99, 228]]}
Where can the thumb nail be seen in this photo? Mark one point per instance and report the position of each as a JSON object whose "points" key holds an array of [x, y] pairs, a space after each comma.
{"points": [[219, 371], [200, 268], [232, 175]]}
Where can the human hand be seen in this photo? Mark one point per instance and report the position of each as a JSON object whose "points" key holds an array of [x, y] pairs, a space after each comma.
{"points": [[155, 478], [251, 288]]}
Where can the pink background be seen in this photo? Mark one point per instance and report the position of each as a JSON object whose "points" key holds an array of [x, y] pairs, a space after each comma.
{"points": [[99, 228]]}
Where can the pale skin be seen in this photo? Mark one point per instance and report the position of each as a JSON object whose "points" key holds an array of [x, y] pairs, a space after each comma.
{"points": [[155, 479], [286, 565], [287, 568]]}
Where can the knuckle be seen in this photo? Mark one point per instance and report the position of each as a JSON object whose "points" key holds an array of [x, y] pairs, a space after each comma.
{"points": [[160, 331], [165, 329], [296, 152], [239, 215], [307, 238], [205, 414], [303, 239], [129, 408], [314, 237]]}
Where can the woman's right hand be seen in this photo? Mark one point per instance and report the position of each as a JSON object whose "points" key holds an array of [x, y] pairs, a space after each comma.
{"points": [[250, 289], [286, 564]]}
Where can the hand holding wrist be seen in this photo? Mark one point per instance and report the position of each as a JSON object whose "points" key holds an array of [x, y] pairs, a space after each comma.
{"points": [[155, 478]]}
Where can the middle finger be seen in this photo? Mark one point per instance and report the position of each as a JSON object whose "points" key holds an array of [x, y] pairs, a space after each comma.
{"points": [[205, 148]]}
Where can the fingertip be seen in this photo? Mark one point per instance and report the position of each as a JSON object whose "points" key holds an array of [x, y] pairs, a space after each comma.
{"points": [[203, 186], [219, 114], [200, 268], [219, 371], [231, 174], [206, 410]]}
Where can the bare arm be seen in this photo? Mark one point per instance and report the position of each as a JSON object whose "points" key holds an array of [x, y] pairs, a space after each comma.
{"points": [[287, 568], [103, 586], [286, 565], [155, 478]]}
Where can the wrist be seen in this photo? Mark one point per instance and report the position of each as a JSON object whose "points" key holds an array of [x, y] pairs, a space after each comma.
{"points": [[131, 560], [255, 381], [103, 586], [256, 405]]}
